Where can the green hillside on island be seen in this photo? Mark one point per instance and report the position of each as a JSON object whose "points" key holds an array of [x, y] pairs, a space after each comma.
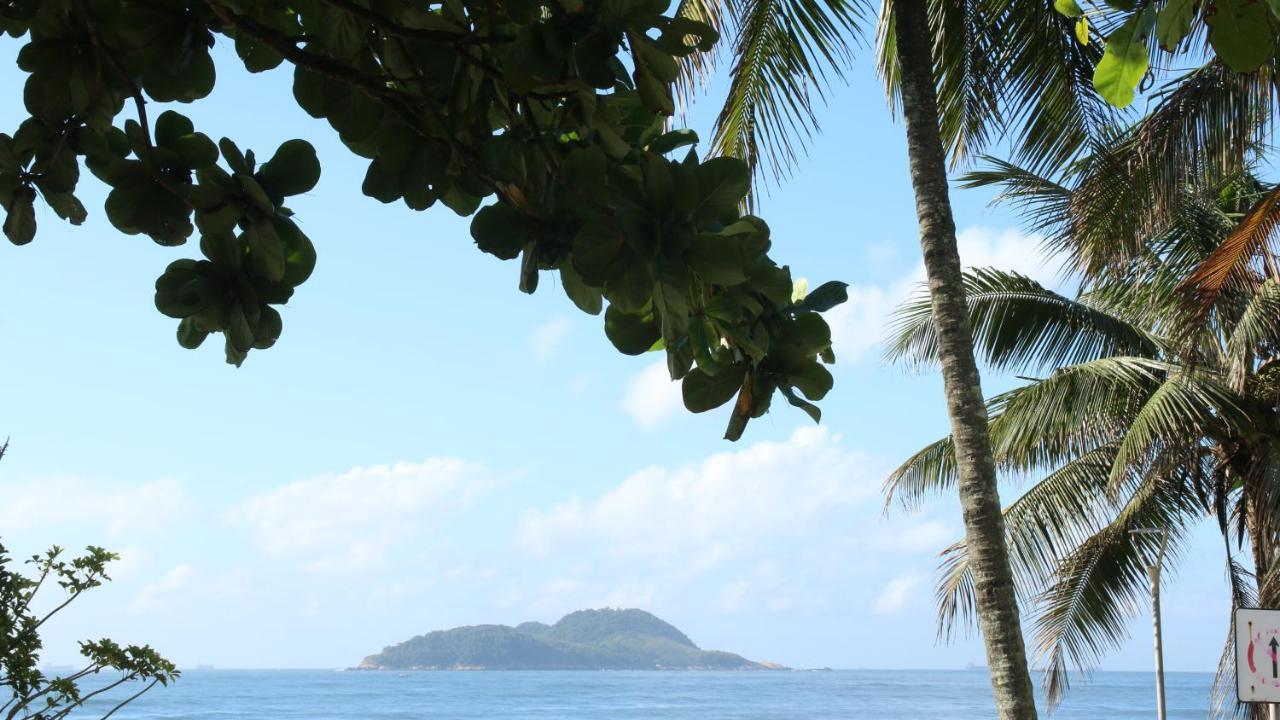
{"points": [[584, 640]]}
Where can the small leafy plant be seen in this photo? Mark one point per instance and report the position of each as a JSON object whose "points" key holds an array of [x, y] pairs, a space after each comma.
{"points": [[29, 693]]}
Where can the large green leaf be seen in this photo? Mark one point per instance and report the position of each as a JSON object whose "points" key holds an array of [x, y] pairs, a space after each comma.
{"points": [[1125, 60], [20, 222], [293, 170], [1174, 22], [631, 333], [703, 392], [1241, 34]]}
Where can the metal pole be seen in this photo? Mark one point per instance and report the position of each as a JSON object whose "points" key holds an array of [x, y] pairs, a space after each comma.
{"points": [[1153, 576]]}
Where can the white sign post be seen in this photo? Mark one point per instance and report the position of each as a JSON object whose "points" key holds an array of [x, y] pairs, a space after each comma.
{"points": [[1258, 656]]}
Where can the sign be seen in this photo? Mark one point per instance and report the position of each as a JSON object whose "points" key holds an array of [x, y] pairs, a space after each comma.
{"points": [[1258, 655]]}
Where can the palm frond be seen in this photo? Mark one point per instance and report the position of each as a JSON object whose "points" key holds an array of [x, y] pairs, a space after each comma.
{"points": [[1224, 701], [1104, 583], [1205, 125], [785, 53], [697, 68], [1005, 70], [1257, 329], [1018, 324], [1043, 204], [1041, 426], [1243, 257], [1043, 526], [1075, 410], [928, 472], [1188, 404], [1049, 94]]}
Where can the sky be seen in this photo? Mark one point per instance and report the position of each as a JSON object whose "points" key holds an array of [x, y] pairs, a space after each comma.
{"points": [[427, 447]]}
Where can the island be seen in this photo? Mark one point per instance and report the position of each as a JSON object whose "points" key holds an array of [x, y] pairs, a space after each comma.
{"points": [[606, 639]]}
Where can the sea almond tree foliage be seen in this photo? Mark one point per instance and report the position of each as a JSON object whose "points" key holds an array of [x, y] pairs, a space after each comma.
{"points": [[545, 121]]}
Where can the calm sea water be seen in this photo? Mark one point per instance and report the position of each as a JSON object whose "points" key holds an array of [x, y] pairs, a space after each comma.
{"points": [[862, 694]]}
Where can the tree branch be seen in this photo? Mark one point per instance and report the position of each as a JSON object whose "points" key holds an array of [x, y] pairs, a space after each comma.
{"points": [[131, 698], [100, 54], [387, 27]]}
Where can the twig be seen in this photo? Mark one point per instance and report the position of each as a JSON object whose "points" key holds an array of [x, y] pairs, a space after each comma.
{"points": [[135, 91]]}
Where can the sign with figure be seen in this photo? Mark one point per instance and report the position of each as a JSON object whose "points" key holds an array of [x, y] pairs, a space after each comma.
{"points": [[1258, 655]]}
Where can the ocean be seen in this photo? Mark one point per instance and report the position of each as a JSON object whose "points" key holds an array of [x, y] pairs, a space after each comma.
{"points": [[843, 694]]}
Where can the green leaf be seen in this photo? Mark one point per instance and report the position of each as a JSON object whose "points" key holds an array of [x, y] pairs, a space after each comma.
{"points": [[703, 392], [381, 182], [170, 126], [1082, 30], [300, 254], [719, 259], [257, 55], [655, 94], [269, 327], [293, 170], [1240, 33], [20, 223], [723, 182], [256, 194], [1174, 22], [588, 299], [631, 333], [460, 201], [67, 206], [825, 297], [595, 247], [190, 336], [809, 408], [196, 149], [235, 159], [500, 230], [266, 250], [239, 334], [667, 142], [1124, 61], [1070, 8], [813, 380]]}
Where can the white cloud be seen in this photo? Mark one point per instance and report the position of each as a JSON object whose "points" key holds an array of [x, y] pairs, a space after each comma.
{"points": [[546, 338], [898, 592], [172, 581], [697, 516], [766, 587], [652, 398], [349, 522], [858, 326], [913, 535], [60, 502]]}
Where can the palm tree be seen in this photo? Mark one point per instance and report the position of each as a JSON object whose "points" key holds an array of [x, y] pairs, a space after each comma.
{"points": [[1154, 413], [995, 601], [955, 68]]}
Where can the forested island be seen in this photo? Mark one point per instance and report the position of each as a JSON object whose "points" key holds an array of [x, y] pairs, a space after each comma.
{"points": [[605, 639]]}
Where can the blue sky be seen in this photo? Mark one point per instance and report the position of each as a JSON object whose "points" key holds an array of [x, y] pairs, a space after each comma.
{"points": [[428, 447]]}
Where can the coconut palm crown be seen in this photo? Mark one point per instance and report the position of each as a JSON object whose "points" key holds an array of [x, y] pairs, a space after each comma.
{"points": [[1157, 406]]}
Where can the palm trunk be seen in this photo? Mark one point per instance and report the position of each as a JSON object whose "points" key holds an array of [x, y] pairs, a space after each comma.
{"points": [[997, 607]]}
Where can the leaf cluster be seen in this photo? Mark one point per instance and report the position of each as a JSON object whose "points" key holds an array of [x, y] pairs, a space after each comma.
{"points": [[555, 112], [1240, 33], [27, 692]]}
